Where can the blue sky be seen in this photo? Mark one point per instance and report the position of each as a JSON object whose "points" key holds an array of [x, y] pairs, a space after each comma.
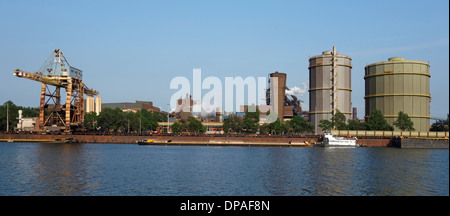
{"points": [[131, 50]]}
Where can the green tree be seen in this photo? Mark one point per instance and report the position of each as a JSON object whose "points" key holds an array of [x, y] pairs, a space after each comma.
{"points": [[355, 125], [148, 121], [112, 120], [265, 128], [338, 120], [232, 124], [195, 125], [176, 127], [441, 125], [278, 127], [326, 125], [403, 122], [376, 121], [300, 125], [90, 121], [251, 120], [133, 121]]}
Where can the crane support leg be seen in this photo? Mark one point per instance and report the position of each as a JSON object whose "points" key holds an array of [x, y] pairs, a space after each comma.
{"points": [[68, 103], [41, 107]]}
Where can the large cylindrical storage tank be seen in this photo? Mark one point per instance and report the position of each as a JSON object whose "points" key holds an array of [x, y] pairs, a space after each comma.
{"points": [[329, 86], [399, 85]]}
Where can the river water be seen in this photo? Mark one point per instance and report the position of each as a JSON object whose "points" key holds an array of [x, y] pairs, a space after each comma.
{"points": [[128, 169]]}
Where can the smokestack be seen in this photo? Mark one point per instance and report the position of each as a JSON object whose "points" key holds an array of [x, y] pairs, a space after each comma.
{"points": [[355, 114]]}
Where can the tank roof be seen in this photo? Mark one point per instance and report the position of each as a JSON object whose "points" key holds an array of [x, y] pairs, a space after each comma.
{"points": [[394, 60]]}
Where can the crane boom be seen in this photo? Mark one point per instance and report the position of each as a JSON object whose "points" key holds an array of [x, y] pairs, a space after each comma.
{"points": [[50, 80]]}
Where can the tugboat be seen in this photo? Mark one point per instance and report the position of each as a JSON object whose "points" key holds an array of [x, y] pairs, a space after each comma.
{"points": [[329, 140]]}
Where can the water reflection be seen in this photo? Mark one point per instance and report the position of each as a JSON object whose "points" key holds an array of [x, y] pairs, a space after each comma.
{"points": [[61, 169], [115, 169]]}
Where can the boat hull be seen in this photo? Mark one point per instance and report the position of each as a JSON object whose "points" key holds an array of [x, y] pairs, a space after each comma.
{"points": [[331, 141], [327, 143], [145, 143]]}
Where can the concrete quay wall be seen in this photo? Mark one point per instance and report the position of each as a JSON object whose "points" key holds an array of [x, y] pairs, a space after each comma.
{"points": [[132, 139], [422, 143]]}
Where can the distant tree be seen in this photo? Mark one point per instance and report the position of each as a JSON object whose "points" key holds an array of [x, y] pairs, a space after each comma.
{"points": [[403, 122], [338, 120], [325, 125], [90, 121], [299, 125], [441, 125], [176, 127], [265, 128], [251, 120], [232, 124], [355, 125], [376, 121], [110, 119], [150, 119], [195, 125], [278, 127]]}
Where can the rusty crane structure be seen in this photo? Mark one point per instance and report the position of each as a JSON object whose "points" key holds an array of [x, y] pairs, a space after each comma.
{"points": [[56, 74]]}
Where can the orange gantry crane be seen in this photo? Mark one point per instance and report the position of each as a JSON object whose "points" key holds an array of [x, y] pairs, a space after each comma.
{"points": [[54, 74]]}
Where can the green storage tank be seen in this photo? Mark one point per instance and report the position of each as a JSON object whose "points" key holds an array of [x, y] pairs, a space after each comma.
{"points": [[399, 85]]}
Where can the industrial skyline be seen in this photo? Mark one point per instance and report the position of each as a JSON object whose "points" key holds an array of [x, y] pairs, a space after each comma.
{"points": [[132, 51]]}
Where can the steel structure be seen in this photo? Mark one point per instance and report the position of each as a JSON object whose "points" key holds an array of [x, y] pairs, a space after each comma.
{"points": [[54, 114]]}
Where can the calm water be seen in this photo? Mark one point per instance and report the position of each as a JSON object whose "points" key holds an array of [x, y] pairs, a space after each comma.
{"points": [[126, 169]]}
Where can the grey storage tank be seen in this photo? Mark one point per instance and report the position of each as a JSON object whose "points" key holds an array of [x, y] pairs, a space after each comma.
{"points": [[329, 86]]}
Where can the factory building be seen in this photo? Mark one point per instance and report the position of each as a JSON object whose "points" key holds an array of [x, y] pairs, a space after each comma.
{"points": [[329, 86], [27, 123], [399, 85], [278, 100], [132, 107], [184, 107]]}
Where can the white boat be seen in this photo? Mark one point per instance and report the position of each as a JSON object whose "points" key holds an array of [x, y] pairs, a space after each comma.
{"points": [[329, 140]]}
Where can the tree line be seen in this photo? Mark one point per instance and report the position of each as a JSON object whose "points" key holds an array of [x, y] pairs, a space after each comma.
{"points": [[249, 124], [115, 120], [376, 121]]}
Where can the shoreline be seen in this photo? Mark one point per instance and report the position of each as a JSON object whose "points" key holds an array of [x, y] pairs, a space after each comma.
{"points": [[189, 140]]}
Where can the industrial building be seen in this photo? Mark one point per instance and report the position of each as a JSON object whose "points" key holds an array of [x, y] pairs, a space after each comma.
{"points": [[98, 105], [184, 107], [27, 123], [329, 86], [93, 104], [132, 107], [399, 85], [285, 107], [89, 104]]}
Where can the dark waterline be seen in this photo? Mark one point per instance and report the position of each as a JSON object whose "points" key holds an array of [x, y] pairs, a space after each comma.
{"points": [[126, 169]]}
